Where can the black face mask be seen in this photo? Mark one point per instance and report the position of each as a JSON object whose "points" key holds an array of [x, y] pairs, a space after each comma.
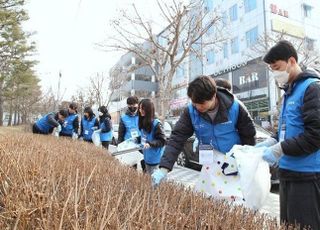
{"points": [[132, 109]]}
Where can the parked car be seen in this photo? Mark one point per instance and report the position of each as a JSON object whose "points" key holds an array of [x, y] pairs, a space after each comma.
{"points": [[115, 134], [167, 129], [189, 158]]}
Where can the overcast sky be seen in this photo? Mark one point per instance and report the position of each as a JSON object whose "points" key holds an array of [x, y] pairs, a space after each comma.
{"points": [[66, 33]]}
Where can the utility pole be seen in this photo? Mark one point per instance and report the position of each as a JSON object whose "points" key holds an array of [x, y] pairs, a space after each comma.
{"points": [[58, 92]]}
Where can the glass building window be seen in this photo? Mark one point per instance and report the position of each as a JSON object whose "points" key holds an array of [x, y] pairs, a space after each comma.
{"points": [[252, 36], [250, 5], [233, 12], [235, 45], [208, 5], [224, 18], [306, 10], [210, 56], [225, 50]]}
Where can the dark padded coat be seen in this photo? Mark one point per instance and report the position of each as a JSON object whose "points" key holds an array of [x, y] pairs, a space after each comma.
{"points": [[184, 129]]}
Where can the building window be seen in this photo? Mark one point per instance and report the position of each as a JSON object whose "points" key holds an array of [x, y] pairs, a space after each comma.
{"points": [[180, 72], [235, 45], [208, 5], [210, 56], [210, 30], [225, 50], [179, 77], [309, 43], [252, 36], [233, 12], [224, 18], [306, 10], [250, 5]]}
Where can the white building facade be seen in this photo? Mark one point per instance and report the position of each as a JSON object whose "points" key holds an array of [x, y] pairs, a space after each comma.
{"points": [[236, 58]]}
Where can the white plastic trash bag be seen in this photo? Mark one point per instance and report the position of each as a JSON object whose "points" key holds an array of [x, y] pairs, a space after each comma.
{"points": [[127, 145], [254, 174], [220, 179], [96, 138], [250, 186]]}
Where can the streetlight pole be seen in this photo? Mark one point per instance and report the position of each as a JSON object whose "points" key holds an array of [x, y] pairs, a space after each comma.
{"points": [[58, 93]]}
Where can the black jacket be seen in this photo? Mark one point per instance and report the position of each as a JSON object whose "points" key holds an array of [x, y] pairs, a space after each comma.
{"points": [[309, 141], [107, 123], [53, 119], [76, 124], [159, 137], [184, 128], [122, 128]]}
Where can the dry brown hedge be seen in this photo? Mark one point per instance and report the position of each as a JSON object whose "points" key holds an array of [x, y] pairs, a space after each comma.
{"points": [[49, 183]]}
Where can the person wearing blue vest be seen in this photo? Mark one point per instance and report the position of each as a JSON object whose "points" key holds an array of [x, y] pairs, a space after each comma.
{"points": [[89, 124], [128, 125], [48, 122], [70, 125], [296, 146], [105, 126], [218, 119], [152, 136]]}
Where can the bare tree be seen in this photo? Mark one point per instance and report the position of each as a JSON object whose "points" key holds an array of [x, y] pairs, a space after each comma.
{"points": [[163, 53], [98, 89], [83, 98], [116, 79], [308, 54]]}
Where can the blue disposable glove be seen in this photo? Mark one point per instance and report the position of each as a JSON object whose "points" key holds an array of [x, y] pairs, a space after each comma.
{"points": [[158, 175], [272, 154], [195, 145], [267, 143], [74, 136], [58, 128]]}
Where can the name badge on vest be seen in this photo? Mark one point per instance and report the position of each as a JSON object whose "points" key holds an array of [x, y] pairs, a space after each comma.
{"points": [[65, 124], [205, 154], [134, 133], [86, 132], [282, 132]]}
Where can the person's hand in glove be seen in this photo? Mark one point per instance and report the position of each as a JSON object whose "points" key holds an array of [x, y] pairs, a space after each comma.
{"points": [[74, 136], [58, 128], [267, 143], [195, 145], [273, 154], [158, 175]]}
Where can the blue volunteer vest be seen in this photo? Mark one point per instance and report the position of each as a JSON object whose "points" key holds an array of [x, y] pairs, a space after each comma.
{"points": [[87, 128], [291, 116], [43, 124], [152, 155], [130, 122], [67, 127], [221, 137], [105, 136]]}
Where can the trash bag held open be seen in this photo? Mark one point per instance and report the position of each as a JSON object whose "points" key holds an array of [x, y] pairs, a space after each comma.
{"points": [[240, 176]]}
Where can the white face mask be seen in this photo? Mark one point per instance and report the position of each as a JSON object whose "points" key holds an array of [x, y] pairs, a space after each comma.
{"points": [[282, 77], [100, 113]]}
